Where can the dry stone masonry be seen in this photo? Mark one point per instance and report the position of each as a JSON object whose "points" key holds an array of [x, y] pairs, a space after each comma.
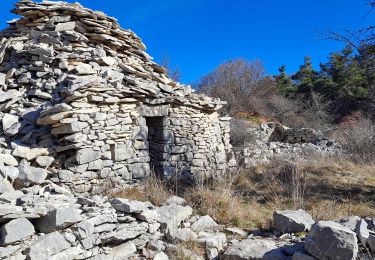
{"points": [[272, 140], [82, 102]]}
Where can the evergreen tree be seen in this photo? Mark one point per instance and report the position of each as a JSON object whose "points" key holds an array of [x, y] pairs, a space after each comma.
{"points": [[348, 77], [284, 83], [305, 77]]}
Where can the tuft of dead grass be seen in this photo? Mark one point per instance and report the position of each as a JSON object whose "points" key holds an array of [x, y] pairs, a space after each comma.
{"points": [[228, 207], [152, 189]]}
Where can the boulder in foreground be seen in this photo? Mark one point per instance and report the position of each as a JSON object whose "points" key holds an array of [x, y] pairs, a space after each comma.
{"points": [[16, 230], [330, 240], [292, 221], [253, 249]]}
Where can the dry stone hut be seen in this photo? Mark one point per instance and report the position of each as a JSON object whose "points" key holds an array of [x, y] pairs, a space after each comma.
{"points": [[81, 101]]}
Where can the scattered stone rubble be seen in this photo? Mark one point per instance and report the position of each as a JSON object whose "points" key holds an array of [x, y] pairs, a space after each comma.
{"points": [[272, 140], [81, 103], [49, 222]]}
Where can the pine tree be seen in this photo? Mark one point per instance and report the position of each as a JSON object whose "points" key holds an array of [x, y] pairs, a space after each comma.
{"points": [[305, 76], [284, 83], [348, 77]]}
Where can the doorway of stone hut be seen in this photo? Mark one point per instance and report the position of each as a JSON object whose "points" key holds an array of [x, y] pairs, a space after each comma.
{"points": [[158, 145]]}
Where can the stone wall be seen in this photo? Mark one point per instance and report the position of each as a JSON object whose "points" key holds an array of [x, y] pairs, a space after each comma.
{"points": [[77, 93], [125, 142], [273, 140]]}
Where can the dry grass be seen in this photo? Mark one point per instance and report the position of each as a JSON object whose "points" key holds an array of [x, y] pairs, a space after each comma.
{"points": [[189, 250], [327, 188], [152, 189], [228, 207]]}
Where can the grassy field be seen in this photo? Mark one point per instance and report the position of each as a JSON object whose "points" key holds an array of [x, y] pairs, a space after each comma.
{"points": [[327, 188]]}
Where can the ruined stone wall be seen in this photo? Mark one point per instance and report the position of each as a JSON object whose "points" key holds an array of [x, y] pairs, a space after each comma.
{"points": [[130, 141]]}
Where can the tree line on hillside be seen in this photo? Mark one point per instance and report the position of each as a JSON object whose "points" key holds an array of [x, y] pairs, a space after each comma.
{"points": [[347, 81], [338, 98], [344, 84]]}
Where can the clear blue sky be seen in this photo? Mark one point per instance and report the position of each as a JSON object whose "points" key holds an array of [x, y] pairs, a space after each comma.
{"points": [[198, 35]]}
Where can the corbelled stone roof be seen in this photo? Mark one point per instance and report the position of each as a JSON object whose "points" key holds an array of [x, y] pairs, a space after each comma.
{"points": [[63, 52]]}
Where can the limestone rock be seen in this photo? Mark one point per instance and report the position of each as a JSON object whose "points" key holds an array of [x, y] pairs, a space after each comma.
{"points": [[330, 240], [205, 223], [362, 232], [5, 186], [69, 128], [31, 174], [69, 253], [29, 153], [140, 170], [16, 230], [109, 61], [123, 251], [7, 251], [181, 235], [8, 159], [130, 206], [292, 221], [125, 232], [123, 153], [172, 215], [84, 69], [58, 219], [84, 229], [45, 161], [62, 27], [236, 231], [47, 246], [10, 121], [149, 216], [253, 249], [87, 155], [10, 171], [7, 95]]}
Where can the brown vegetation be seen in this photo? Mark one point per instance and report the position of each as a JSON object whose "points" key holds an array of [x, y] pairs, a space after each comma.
{"points": [[327, 188]]}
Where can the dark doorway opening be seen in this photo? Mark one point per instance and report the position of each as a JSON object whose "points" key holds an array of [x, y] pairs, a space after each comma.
{"points": [[158, 145]]}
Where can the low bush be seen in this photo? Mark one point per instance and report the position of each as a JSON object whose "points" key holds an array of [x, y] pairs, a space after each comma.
{"points": [[358, 139], [239, 135]]}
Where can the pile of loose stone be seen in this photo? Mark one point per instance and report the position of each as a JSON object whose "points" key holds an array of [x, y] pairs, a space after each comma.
{"points": [[49, 222], [272, 140]]}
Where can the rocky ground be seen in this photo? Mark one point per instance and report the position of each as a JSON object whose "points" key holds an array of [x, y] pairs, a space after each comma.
{"points": [[49, 222]]}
